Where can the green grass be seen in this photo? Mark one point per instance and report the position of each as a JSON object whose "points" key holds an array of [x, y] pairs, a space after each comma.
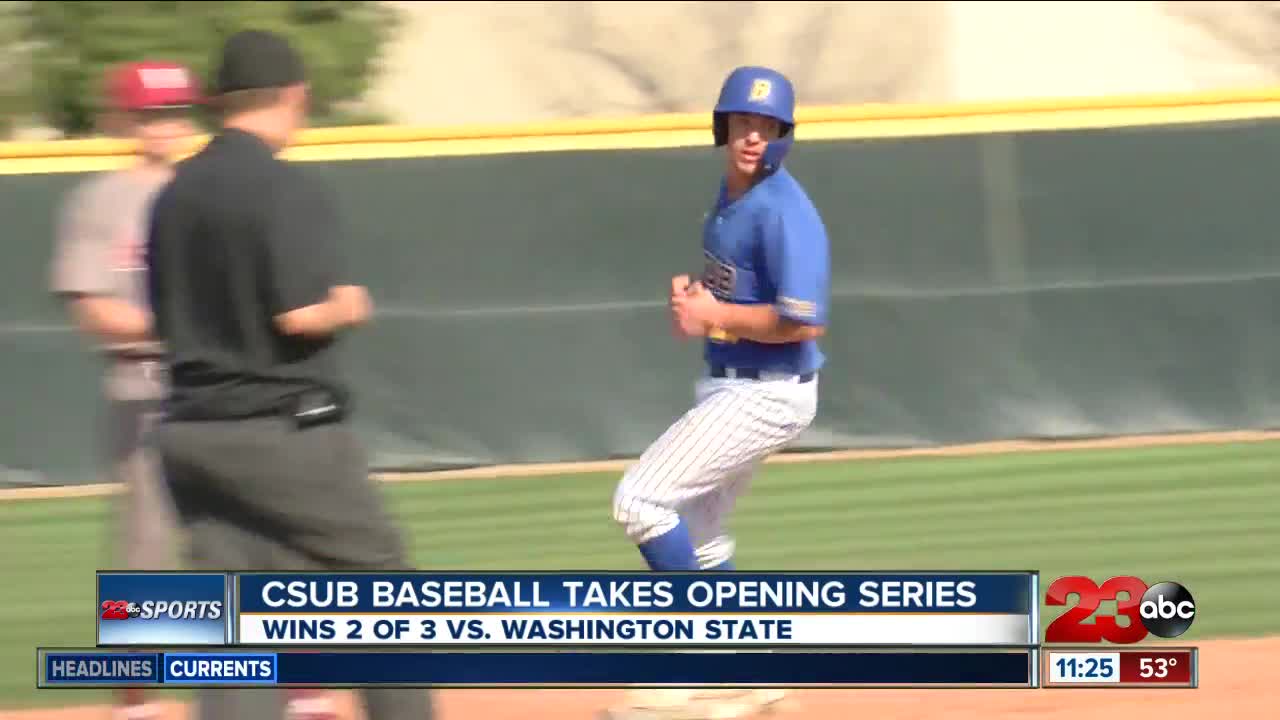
{"points": [[1202, 515]]}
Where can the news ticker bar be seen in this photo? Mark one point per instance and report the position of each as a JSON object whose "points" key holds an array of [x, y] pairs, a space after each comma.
{"points": [[602, 609], [1147, 667], [206, 668]]}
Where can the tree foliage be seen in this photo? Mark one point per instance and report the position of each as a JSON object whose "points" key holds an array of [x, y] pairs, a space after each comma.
{"points": [[75, 43], [15, 70]]}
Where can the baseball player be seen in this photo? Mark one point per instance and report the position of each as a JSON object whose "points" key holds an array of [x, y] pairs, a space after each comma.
{"points": [[98, 271], [760, 304]]}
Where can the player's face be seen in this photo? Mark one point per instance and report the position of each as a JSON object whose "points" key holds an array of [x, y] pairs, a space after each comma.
{"points": [[164, 134], [749, 135]]}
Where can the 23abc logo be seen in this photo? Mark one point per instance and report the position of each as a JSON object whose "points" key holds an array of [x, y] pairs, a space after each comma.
{"points": [[1165, 609], [120, 610]]}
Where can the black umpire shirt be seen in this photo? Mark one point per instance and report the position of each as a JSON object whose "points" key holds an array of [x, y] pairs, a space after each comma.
{"points": [[237, 238]]}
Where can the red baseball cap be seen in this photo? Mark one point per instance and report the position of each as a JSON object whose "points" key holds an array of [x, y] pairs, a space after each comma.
{"points": [[152, 85]]}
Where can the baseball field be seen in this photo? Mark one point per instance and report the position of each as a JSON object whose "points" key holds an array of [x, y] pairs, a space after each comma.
{"points": [[1202, 513]]}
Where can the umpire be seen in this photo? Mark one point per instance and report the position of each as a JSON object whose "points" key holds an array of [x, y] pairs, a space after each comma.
{"points": [[251, 299]]}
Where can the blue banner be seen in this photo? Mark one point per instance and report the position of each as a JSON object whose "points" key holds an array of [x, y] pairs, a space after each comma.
{"points": [[897, 593], [230, 668], [561, 669], [157, 609]]}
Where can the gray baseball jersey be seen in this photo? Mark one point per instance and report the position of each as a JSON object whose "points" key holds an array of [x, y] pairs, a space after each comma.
{"points": [[99, 250], [100, 243]]}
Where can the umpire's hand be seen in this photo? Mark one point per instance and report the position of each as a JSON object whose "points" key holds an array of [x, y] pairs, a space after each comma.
{"points": [[346, 305], [353, 303]]}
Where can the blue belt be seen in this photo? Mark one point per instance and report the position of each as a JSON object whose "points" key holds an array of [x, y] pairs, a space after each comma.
{"points": [[720, 371]]}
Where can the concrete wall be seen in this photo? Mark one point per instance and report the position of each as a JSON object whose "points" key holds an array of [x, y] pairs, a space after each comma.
{"points": [[543, 60], [505, 61]]}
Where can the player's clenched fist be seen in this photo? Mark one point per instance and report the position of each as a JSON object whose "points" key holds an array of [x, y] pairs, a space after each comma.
{"points": [[697, 307], [682, 325], [680, 285]]}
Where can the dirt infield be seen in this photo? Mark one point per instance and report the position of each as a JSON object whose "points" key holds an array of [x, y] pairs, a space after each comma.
{"points": [[1235, 682]]}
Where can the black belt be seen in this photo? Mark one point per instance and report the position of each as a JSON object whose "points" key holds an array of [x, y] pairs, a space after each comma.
{"points": [[720, 371], [306, 409], [249, 415]]}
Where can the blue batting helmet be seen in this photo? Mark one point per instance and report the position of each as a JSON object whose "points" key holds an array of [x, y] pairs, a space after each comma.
{"points": [[759, 91]]}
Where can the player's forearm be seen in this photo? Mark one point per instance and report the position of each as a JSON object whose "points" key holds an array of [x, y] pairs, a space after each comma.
{"points": [[763, 324], [111, 320], [788, 332]]}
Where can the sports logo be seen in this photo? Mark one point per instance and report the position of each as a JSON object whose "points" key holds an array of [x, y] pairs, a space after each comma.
{"points": [[718, 276], [760, 90], [161, 610]]}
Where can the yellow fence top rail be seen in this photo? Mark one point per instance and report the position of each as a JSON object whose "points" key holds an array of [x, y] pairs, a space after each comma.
{"points": [[693, 129]]}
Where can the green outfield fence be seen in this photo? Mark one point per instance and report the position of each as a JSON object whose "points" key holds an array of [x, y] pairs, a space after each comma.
{"points": [[1045, 270]]}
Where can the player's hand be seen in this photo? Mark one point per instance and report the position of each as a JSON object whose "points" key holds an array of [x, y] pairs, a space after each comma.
{"points": [[680, 285], [683, 327], [697, 307]]}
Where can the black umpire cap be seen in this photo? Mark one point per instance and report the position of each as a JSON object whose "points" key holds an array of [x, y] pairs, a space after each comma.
{"points": [[258, 59]]}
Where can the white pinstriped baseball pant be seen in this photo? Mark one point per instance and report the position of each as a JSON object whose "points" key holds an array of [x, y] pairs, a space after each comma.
{"points": [[700, 466]]}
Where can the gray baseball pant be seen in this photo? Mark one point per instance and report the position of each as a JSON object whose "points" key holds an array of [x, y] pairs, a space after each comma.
{"points": [[262, 494]]}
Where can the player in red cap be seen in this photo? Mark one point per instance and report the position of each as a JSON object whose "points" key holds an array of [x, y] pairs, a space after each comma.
{"points": [[151, 102], [98, 270]]}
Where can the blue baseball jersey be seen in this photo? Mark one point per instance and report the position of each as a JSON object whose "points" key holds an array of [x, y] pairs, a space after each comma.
{"points": [[768, 247]]}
